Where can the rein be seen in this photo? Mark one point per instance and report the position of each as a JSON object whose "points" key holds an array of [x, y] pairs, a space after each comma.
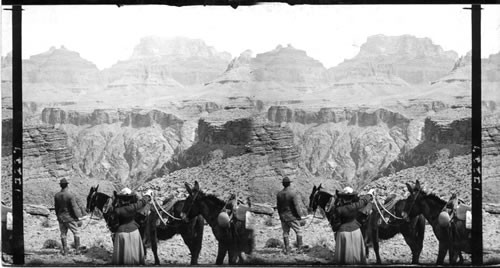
{"points": [[159, 215], [413, 202], [92, 200], [315, 201], [385, 209]]}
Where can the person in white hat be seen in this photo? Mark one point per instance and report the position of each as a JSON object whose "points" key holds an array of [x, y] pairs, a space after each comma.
{"points": [[349, 242], [128, 248]]}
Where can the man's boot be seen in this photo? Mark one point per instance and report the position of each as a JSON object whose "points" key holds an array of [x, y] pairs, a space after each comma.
{"points": [[286, 241], [299, 242], [64, 245], [77, 245]]}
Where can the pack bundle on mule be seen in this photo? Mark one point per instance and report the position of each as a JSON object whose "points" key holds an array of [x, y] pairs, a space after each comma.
{"points": [[234, 238], [453, 236], [154, 225], [374, 226]]}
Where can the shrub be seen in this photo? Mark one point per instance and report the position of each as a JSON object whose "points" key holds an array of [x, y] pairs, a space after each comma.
{"points": [[46, 223], [36, 262], [274, 243], [269, 221], [51, 243]]}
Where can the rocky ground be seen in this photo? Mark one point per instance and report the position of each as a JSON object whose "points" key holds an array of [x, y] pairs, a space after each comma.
{"points": [[39, 231]]}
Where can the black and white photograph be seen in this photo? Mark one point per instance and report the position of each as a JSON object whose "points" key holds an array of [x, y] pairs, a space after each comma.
{"points": [[266, 134]]}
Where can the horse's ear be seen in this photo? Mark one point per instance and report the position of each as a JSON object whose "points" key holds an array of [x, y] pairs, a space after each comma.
{"points": [[97, 187], [314, 188], [196, 186], [114, 193], [409, 188], [417, 185], [320, 185], [188, 188]]}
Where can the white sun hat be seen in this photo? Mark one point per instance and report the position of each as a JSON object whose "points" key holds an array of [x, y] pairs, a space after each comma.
{"points": [[348, 190], [126, 191]]}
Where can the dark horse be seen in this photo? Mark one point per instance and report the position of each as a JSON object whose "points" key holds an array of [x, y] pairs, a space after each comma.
{"points": [[153, 229], [374, 229], [234, 239], [453, 238]]}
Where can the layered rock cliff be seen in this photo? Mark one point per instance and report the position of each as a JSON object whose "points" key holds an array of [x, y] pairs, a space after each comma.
{"points": [[446, 134], [46, 159], [280, 74], [490, 160], [169, 62], [122, 146], [348, 145], [240, 152], [415, 60]]}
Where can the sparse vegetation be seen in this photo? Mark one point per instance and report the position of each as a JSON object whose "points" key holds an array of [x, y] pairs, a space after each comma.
{"points": [[274, 243], [51, 243], [46, 223], [269, 221], [324, 242], [36, 262]]}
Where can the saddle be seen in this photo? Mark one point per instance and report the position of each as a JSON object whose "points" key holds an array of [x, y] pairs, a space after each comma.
{"points": [[242, 214], [459, 211]]}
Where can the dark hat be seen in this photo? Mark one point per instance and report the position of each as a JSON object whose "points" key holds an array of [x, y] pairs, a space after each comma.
{"points": [[286, 179], [63, 181]]}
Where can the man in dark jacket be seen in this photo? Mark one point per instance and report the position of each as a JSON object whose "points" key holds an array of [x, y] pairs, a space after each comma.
{"points": [[290, 213], [69, 216]]}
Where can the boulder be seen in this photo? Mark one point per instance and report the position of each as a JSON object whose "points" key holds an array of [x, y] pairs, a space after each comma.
{"points": [[36, 209], [260, 208]]}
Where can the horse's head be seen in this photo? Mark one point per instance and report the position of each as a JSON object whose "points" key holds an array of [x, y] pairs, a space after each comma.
{"points": [[91, 198], [313, 198], [413, 206], [191, 204]]}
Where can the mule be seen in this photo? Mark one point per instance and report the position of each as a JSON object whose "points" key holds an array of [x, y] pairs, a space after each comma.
{"points": [[152, 229], [372, 226], [233, 239], [453, 238]]}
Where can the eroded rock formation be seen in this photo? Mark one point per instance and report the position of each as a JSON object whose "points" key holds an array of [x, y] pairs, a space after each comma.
{"points": [[415, 60]]}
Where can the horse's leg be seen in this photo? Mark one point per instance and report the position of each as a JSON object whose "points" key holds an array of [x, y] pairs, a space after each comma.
{"points": [[221, 254], [142, 232], [375, 244], [419, 229], [232, 256], [197, 239], [443, 248], [154, 244], [412, 241], [365, 233], [461, 261]]}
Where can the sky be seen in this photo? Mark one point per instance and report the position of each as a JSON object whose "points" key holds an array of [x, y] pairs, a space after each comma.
{"points": [[330, 34]]}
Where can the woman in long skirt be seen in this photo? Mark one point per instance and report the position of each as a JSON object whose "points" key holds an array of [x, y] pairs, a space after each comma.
{"points": [[349, 243], [127, 245]]}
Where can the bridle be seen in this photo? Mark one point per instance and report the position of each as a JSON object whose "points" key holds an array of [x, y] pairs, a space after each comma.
{"points": [[92, 201], [192, 204], [414, 199]]}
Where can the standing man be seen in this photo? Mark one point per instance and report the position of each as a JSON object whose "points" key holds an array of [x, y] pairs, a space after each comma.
{"points": [[69, 216], [290, 213]]}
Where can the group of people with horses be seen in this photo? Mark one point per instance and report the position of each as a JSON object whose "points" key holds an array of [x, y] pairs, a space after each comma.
{"points": [[358, 221]]}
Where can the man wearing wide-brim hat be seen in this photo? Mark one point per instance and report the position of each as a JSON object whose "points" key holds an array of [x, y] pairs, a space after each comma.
{"points": [[288, 204], [68, 214]]}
